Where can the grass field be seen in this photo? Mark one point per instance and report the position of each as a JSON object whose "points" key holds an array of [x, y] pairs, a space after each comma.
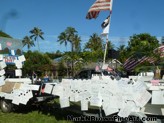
{"points": [[47, 113], [35, 116]]}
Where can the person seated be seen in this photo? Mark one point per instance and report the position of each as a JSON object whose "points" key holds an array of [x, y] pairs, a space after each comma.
{"points": [[46, 78]]}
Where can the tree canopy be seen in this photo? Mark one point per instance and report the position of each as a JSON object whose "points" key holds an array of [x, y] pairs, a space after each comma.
{"points": [[35, 34], [142, 44], [27, 41], [37, 62], [70, 35]]}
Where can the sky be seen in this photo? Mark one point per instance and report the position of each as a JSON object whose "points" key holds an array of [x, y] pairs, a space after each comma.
{"points": [[128, 17]]}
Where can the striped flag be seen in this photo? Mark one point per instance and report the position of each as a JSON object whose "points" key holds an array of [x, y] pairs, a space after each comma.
{"points": [[128, 61], [98, 6], [131, 62], [97, 68], [151, 60], [109, 69], [160, 50]]}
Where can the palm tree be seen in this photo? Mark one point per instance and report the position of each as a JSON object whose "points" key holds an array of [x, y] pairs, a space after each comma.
{"points": [[76, 41], [110, 45], [36, 33], [122, 53], [67, 60], [70, 35], [94, 43], [95, 47], [70, 31], [62, 38], [27, 41]]}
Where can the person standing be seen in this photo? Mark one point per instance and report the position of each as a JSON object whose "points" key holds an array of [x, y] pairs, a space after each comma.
{"points": [[157, 74]]}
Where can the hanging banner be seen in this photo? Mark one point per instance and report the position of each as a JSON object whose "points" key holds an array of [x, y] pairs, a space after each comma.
{"points": [[9, 59]]}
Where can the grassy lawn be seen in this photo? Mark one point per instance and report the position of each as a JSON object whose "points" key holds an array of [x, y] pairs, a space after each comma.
{"points": [[47, 113], [31, 117], [35, 116]]}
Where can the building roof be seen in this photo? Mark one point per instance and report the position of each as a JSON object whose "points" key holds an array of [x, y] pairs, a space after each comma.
{"points": [[11, 44]]}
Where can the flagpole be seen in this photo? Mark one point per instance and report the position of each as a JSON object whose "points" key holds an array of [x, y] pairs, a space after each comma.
{"points": [[93, 12], [106, 46]]}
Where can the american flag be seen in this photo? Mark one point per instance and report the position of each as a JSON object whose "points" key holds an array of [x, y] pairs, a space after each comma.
{"points": [[109, 69], [131, 62], [97, 68], [160, 50], [98, 6]]}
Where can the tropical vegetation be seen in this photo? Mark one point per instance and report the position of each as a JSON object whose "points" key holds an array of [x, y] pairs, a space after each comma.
{"points": [[36, 33], [140, 45], [76, 58], [27, 41], [70, 36], [37, 62]]}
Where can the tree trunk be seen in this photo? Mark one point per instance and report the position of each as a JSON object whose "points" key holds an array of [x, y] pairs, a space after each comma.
{"points": [[38, 45], [72, 60]]}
